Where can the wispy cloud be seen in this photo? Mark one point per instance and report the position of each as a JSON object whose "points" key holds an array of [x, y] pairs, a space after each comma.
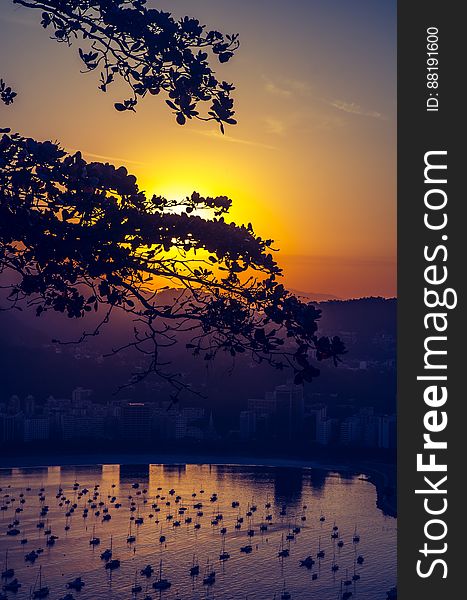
{"points": [[114, 159], [286, 88], [356, 109], [275, 90], [296, 88], [299, 86], [233, 140], [274, 125]]}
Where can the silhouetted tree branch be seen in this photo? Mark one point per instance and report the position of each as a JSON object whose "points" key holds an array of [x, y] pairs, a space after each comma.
{"points": [[81, 237], [7, 95], [150, 50]]}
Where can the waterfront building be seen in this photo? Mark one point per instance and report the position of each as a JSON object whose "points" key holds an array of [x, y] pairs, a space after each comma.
{"points": [[35, 429], [247, 424]]}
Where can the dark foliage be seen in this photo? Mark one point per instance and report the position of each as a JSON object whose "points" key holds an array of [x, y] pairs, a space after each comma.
{"points": [[81, 237], [7, 95], [150, 50]]}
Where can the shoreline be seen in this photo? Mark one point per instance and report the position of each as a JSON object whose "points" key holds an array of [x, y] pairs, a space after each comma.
{"points": [[381, 475]]}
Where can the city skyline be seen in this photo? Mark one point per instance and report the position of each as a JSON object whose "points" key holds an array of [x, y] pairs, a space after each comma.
{"points": [[282, 414]]}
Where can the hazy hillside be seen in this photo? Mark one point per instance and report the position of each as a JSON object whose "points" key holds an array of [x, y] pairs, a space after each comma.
{"points": [[365, 316], [31, 364]]}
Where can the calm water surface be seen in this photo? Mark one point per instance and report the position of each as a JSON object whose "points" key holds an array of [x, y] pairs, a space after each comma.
{"points": [[303, 496]]}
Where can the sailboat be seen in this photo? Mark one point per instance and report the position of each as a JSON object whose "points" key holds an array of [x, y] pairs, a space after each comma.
{"points": [[347, 581], [345, 595], [223, 555], [308, 562], [194, 569], [107, 554], [335, 566], [94, 541], [283, 551], [77, 584], [107, 516], [112, 564], [7, 573], [209, 575], [12, 586], [320, 553], [161, 584], [131, 539], [41, 591], [48, 529], [355, 576], [285, 594], [139, 519], [162, 537], [356, 537], [31, 556], [137, 588], [147, 571]]}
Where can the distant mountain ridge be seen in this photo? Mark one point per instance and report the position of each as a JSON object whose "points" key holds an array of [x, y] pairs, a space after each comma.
{"points": [[26, 330], [314, 296], [31, 364]]}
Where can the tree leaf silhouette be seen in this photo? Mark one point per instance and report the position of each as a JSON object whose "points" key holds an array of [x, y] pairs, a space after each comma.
{"points": [[148, 49]]}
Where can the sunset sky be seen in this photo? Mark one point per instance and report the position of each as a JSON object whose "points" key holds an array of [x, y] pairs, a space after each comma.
{"points": [[312, 162]]}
